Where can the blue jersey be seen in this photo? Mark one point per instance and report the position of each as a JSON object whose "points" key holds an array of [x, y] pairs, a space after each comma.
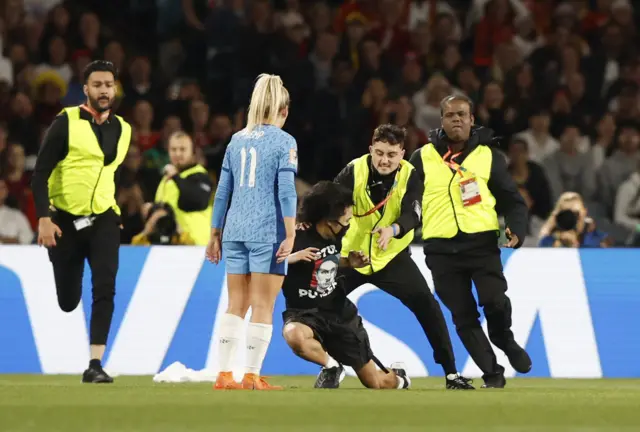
{"points": [[258, 172]]}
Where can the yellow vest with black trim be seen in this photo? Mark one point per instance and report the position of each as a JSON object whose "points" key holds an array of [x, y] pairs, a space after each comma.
{"points": [[359, 237], [81, 184], [196, 223], [443, 211]]}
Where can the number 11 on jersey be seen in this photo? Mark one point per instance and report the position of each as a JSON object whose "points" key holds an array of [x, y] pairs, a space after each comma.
{"points": [[252, 166]]}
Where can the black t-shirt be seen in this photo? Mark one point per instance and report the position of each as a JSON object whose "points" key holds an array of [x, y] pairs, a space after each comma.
{"points": [[316, 284]]}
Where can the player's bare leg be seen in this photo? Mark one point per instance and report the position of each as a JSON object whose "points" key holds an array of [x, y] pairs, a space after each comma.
{"points": [[230, 331], [372, 377], [301, 340], [263, 290]]}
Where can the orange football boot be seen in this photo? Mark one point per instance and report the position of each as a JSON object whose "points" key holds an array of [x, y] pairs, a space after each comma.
{"points": [[225, 381], [256, 382]]}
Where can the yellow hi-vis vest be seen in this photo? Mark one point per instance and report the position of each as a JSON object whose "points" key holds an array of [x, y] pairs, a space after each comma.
{"points": [[359, 237], [81, 184], [443, 213], [196, 223]]}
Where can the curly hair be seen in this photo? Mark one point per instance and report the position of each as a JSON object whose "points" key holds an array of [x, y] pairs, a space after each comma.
{"points": [[325, 201]]}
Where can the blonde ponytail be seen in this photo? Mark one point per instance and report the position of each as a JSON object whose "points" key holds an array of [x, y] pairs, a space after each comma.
{"points": [[269, 97]]}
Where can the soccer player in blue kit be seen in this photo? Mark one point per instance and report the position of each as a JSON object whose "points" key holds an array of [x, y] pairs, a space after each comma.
{"points": [[257, 234]]}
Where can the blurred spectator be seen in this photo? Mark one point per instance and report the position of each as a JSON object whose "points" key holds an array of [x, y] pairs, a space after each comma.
{"points": [[494, 113], [18, 181], [75, 90], [530, 179], [620, 165], [14, 226], [56, 59], [569, 226], [23, 127], [627, 208], [219, 135], [321, 58], [130, 194], [144, 137], [567, 169], [6, 67], [427, 102], [540, 144], [605, 132]]}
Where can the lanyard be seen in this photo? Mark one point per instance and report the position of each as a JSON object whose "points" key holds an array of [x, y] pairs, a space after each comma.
{"points": [[453, 165], [381, 203]]}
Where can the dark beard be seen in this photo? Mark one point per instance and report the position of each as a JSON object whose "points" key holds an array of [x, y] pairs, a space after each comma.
{"points": [[93, 103]]}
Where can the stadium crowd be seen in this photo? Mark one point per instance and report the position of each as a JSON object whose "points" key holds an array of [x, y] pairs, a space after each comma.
{"points": [[558, 82]]}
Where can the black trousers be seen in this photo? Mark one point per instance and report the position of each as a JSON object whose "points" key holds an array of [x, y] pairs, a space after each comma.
{"points": [[452, 276], [99, 244], [402, 279]]}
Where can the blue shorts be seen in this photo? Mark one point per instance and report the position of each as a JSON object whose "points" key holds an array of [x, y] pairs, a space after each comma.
{"points": [[252, 257]]}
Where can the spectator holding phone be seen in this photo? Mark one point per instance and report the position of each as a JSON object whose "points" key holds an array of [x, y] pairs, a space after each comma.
{"points": [[569, 226]]}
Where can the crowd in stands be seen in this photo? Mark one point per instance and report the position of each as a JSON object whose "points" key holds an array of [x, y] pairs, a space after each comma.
{"points": [[557, 81]]}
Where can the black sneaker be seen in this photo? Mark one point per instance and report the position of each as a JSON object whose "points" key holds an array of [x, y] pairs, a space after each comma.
{"points": [[399, 369], [458, 382], [494, 381], [330, 378], [95, 374], [518, 357]]}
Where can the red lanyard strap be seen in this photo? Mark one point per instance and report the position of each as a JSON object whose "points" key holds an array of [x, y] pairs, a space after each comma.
{"points": [[380, 204], [454, 166]]}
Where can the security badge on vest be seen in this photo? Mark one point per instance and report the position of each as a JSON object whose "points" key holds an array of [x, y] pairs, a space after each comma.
{"points": [[469, 189], [367, 217]]}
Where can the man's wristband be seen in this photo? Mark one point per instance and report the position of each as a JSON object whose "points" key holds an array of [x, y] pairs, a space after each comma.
{"points": [[395, 229]]}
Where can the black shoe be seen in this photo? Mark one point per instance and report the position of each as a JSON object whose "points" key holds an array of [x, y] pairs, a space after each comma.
{"points": [[330, 378], [399, 369], [458, 382], [95, 374], [494, 381], [518, 357]]}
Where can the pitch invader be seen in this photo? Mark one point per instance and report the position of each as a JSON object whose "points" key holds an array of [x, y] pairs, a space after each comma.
{"points": [[321, 325]]}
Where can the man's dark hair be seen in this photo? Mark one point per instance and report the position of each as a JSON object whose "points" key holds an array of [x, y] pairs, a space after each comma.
{"points": [[390, 134], [325, 201], [99, 66], [453, 98]]}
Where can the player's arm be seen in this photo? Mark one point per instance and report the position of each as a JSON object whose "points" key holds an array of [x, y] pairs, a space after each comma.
{"points": [[509, 202], [346, 177], [287, 170], [195, 192], [411, 206], [223, 194], [54, 149]]}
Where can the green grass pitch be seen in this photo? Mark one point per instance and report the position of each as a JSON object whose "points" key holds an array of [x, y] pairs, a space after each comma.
{"points": [[62, 403]]}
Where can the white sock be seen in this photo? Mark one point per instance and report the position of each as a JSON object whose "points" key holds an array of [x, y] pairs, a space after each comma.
{"points": [[258, 338], [400, 382], [331, 362], [229, 333]]}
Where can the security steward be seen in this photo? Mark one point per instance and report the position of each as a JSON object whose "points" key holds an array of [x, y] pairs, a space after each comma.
{"points": [[74, 190], [466, 185], [386, 194], [187, 188]]}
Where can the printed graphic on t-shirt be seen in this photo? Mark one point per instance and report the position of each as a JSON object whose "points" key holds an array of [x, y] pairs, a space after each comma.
{"points": [[323, 278]]}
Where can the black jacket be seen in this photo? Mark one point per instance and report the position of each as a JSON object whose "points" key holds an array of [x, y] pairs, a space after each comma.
{"points": [[509, 202], [379, 186]]}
